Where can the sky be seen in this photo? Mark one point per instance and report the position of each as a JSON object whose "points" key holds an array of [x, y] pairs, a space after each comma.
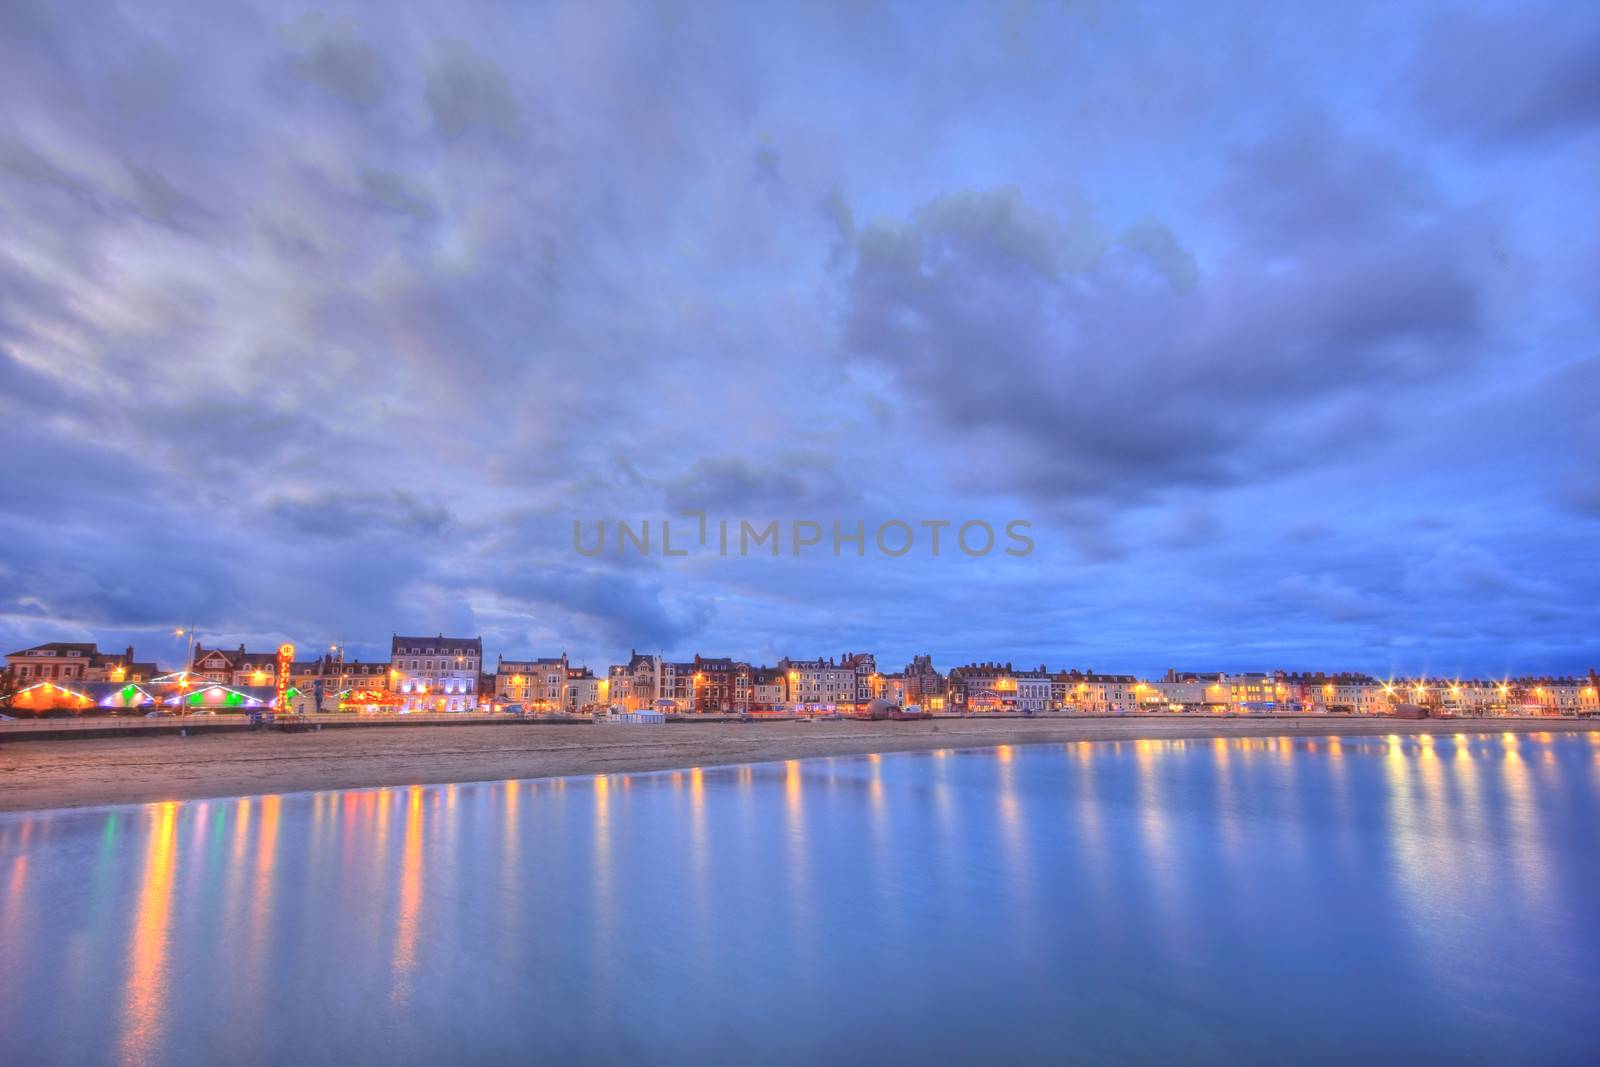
{"points": [[1275, 322]]}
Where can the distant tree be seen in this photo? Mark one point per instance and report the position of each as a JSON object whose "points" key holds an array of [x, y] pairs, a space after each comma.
{"points": [[8, 686]]}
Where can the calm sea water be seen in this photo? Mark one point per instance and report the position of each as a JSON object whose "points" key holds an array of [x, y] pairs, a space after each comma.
{"points": [[1377, 899]]}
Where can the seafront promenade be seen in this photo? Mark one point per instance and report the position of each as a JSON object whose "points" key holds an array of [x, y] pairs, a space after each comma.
{"points": [[224, 761]]}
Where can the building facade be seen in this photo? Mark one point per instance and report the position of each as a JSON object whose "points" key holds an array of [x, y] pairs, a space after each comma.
{"points": [[982, 687], [235, 668], [923, 684], [535, 684], [1033, 690], [77, 662], [436, 673], [821, 681], [721, 685]]}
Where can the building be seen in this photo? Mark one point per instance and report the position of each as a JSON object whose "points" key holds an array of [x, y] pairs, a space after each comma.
{"points": [[436, 673], [892, 687], [619, 688], [677, 684], [633, 684], [821, 681], [923, 684], [535, 684], [865, 666], [1356, 694], [1251, 691], [120, 667], [65, 661], [652, 682], [584, 690], [1033, 690], [720, 685], [345, 685], [769, 689], [233, 667], [982, 687], [1550, 696], [1185, 690], [1097, 694]]}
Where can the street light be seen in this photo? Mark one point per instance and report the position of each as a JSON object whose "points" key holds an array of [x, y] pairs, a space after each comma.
{"points": [[190, 631]]}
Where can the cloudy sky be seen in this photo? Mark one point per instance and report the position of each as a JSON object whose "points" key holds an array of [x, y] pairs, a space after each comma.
{"points": [[1277, 321]]}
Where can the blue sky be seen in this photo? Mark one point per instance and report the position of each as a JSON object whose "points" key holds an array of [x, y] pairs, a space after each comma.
{"points": [[1278, 322]]}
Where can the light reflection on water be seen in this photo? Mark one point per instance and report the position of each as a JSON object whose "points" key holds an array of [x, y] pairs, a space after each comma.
{"points": [[1216, 901]]}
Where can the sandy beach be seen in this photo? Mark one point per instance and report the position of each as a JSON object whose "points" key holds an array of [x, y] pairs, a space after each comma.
{"points": [[59, 774]]}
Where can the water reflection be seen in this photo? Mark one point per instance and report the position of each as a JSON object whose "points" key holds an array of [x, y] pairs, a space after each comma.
{"points": [[405, 939], [1132, 895], [147, 958]]}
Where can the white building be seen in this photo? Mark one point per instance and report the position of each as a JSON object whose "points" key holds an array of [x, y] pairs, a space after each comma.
{"points": [[1033, 690], [436, 673]]}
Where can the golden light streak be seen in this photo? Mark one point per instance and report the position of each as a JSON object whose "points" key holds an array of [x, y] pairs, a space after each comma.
{"points": [[147, 978], [405, 940]]}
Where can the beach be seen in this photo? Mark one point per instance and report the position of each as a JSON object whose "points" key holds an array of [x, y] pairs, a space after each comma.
{"points": [[37, 775]]}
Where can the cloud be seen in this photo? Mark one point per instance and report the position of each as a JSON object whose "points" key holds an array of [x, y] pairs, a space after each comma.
{"points": [[1327, 596], [1117, 369], [329, 53], [347, 513], [467, 90], [729, 485], [1515, 74], [616, 609], [393, 191], [1472, 572]]}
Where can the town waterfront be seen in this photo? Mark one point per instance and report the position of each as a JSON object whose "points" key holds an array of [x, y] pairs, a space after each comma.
{"points": [[1214, 900]]}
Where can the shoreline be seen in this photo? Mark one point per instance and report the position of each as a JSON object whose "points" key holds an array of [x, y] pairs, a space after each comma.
{"points": [[48, 775]]}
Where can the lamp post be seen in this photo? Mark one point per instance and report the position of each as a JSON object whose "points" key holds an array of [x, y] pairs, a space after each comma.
{"points": [[188, 631]]}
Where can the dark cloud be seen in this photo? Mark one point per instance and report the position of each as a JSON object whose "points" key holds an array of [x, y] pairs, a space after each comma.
{"points": [[1327, 596], [329, 53], [393, 191], [467, 90], [610, 608], [352, 512], [1116, 368], [727, 485], [1525, 72]]}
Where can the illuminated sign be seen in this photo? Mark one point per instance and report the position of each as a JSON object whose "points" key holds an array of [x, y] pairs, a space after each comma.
{"points": [[285, 665]]}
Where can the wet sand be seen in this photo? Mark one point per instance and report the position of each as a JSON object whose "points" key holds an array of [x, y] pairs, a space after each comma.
{"points": [[61, 774]]}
